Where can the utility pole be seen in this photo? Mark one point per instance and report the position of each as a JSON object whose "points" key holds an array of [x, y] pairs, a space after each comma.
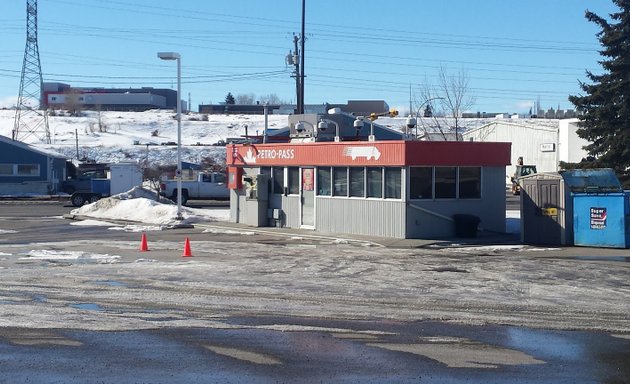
{"points": [[296, 62], [303, 38], [410, 106], [30, 112]]}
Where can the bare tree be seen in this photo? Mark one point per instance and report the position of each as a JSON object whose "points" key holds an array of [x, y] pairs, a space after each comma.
{"points": [[245, 99], [72, 102], [455, 93], [271, 98], [445, 103], [429, 113], [102, 127]]}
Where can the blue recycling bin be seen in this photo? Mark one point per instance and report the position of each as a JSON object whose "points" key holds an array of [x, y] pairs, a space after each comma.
{"points": [[601, 220]]}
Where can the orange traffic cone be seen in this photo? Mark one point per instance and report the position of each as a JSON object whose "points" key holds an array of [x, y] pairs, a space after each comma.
{"points": [[187, 252], [143, 243]]}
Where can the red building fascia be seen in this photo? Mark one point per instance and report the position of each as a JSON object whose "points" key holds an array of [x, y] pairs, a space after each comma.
{"points": [[371, 153]]}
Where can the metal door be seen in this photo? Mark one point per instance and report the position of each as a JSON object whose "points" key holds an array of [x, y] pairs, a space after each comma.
{"points": [[307, 191], [541, 212]]}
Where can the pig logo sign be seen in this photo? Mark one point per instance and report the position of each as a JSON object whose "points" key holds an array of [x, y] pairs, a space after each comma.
{"points": [[368, 152]]}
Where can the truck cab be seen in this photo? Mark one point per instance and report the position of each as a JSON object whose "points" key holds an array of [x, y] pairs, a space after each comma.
{"points": [[79, 178], [521, 170], [207, 186]]}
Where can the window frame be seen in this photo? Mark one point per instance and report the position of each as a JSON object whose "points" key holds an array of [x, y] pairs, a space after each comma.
{"points": [[358, 172], [368, 183], [278, 185], [321, 182], [335, 171], [293, 180], [386, 193], [413, 186], [478, 194]]}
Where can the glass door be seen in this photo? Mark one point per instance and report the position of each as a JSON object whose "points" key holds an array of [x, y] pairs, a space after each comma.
{"points": [[307, 191]]}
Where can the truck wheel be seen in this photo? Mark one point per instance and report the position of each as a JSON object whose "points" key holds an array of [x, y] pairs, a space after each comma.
{"points": [[184, 196], [77, 200], [94, 198]]}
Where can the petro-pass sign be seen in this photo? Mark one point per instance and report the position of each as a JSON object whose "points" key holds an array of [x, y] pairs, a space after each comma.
{"points": [[393, 153], [370, 153]]}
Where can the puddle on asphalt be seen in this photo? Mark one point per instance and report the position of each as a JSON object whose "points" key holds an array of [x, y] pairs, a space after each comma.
{"points": [[449, 269], [604, 258], [112, 283], [464, 355], [544, 343], [40, 298], [244, 355], [87, 306]]}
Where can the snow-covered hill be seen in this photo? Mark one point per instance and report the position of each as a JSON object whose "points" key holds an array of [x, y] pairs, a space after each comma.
{"points": [[131, 136], [140, 136]]}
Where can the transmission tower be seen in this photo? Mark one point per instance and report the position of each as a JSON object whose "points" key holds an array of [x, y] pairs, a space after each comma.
{"points": [[30, 114]]}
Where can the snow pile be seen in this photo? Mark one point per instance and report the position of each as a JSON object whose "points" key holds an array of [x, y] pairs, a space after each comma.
{"points": [[140, 205]]}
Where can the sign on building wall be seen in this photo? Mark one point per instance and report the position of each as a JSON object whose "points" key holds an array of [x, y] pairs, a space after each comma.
{"points": [[547, 147]]}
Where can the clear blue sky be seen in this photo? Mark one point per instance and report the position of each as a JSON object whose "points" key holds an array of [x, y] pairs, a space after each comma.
{"points": [[514, 52]]}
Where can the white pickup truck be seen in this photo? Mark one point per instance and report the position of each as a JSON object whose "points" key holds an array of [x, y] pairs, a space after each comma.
{"points": [[208, 186]]}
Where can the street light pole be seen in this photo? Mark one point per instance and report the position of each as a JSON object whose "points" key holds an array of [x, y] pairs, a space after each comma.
{"points": [[178, 174], [422, 105]]}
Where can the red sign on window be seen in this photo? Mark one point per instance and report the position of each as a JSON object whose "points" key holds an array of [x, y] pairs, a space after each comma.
{"points": [[308, 179]]}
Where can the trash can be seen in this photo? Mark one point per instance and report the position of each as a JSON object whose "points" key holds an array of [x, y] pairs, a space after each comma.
{"points": [[466, 225]]}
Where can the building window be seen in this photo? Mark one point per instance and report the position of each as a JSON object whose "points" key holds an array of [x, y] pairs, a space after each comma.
{"points": [[445, 182], [54, 98], [470, 182], [28, 169], [294, 180], [6, 169], [421, 183], [375, 182], [323, 181], [357, 182], [392, 183], [278, 180], [340, 181], [267, 171]]}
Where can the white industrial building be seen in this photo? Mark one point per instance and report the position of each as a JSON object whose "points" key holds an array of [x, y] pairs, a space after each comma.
{"points": [[541, 142]]}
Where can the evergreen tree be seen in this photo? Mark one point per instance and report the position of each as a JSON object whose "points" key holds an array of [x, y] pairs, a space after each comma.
{"points": [[605, 107], [229, 99]]}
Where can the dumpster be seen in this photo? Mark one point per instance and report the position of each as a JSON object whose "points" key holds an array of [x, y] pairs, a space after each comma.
{"points": [[548, 207], [601, 219], [466, 225]]}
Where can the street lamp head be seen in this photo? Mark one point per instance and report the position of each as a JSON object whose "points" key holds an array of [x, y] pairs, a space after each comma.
{"points": [[411, 122], [322, 125], [168, 55]]}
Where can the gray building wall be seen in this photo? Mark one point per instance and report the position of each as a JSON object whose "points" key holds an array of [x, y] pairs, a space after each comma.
{"points": [[382, 218], [433, 218]]}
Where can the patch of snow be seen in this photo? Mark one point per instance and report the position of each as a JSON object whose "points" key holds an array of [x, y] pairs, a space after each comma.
{"points": [[50, 255]]}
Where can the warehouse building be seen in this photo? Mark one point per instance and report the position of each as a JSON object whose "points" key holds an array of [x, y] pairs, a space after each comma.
{"points": [[388, 188], [544, 143]]}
